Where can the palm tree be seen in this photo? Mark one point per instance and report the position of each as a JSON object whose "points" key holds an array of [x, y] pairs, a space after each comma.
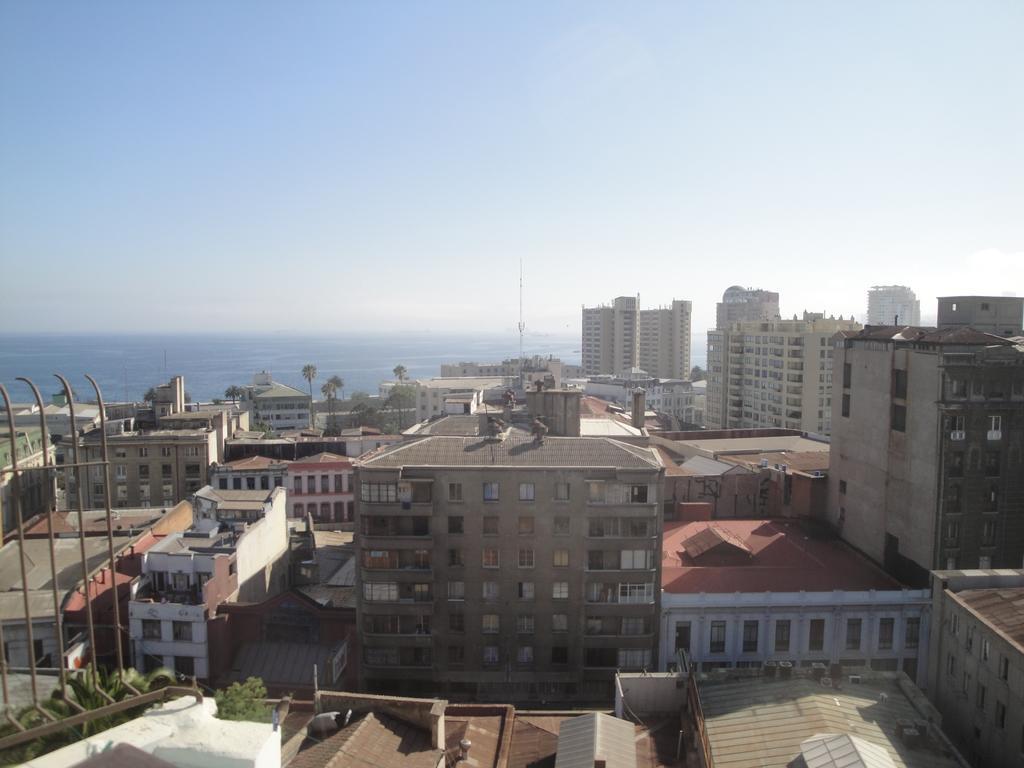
{"points": [[400, 372], [309, 373], [328, 390], [233, 393], [339, 384]]}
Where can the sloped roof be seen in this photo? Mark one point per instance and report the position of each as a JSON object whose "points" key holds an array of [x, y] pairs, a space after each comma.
{"points": [[253, 463], [584, 740], [1001, 608], [375, 741], [280, 390], [703, 466], [711, 537], [841, 750], [514, 451]]}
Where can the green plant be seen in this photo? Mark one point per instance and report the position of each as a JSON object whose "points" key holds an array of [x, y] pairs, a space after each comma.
{"points": [[244, 701]]}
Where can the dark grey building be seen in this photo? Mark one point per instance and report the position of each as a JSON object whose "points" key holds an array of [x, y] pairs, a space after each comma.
{"points": [[504, 568], [1001, 315], [926, 459]]}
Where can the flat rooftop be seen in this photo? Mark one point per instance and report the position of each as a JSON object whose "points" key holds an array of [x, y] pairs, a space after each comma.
{"points": [[761, 722], [782, 555], [463, 382], [94, 521], [516, 450], [177, 543], [716, 447], [796, 462]]}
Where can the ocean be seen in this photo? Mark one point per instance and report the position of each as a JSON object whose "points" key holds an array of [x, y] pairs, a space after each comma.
{"points": [[125, 366]]}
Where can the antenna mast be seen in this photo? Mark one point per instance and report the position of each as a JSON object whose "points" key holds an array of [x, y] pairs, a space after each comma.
{"points": [[522, 325]]}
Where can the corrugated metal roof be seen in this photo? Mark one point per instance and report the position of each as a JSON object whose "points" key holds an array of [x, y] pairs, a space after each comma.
{"points": [[595, 736], [1002, 608]]}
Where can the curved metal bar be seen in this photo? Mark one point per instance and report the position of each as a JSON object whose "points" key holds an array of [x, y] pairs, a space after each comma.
{"points": [[81, 528], [110, 526], [20, 523], [57, 614]]}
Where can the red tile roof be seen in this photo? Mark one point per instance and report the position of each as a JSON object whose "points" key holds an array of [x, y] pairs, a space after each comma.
{"points": [[320, 459], [785, 556]]}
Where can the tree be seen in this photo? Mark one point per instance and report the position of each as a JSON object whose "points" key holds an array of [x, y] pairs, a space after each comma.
{"points": [[401, 397], [339, 385], [262, 426], [697, 373], [329, 390], [400, 372], [309, 373], [244, 701], [233, 393], [150, 395]]}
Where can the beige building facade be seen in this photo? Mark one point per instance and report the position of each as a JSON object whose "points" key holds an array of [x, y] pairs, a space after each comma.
{"points": [[664, 340], [610, 337]]}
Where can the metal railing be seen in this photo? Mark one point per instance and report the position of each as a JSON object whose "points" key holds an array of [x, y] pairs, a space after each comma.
{"points": [[78, 470]]}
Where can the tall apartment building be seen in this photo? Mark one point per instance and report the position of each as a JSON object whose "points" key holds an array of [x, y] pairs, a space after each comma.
{"points": [[1001, 315], [507, 568], [775, 373], [738, 305], [664, 340], [610, 337], [927, 444], [742, 305], [893, 305]]}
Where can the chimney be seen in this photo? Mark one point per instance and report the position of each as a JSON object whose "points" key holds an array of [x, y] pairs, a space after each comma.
{"points": [[639, 407]]}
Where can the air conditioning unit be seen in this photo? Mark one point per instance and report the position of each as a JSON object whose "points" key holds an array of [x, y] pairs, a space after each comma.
{"points": [[957, 434]]}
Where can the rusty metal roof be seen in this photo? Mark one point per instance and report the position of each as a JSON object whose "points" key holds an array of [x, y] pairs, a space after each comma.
{"points": [[1003, 609]]}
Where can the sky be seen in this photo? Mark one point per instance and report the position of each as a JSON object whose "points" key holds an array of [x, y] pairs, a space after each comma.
{"points": [[348, 167]]}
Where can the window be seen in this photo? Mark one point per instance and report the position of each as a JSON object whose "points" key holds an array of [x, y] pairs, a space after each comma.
{"points": [[524, 654], [455, 558], [490, 623], [455, 524], [992, 461], [526, 491], [816, 635], [842, 487], [595, 492], [979, 698], [847, 376], [311, 484], [525, 590], [380, 591], [524, 623], [454, 491], [1004, 668], [951, 665], [490, 526], [853, 634], [717, 644], [338, 486], [560, 558], [489, 590], [635, 593], [559, 654], [490, 656], [986, 647], [633, 625], [750, 636], [956, 464], [456, 654], [456, 622], [636, 559], [634, 658], [1000, 715], [151, 629], [559, 622], [885, 633], [325, 483], [375, 493], [638, 494], [560, 590], [143, 452], [560, 526], [182, 630], [526, 526], [185, 665], [912, 632], [561, 491], [490, 491], [166, 470], [165, 450], [899, 418], [846, 405], [121, 471], [456, 590], [683, 636], [988, 533], [899, 384]]}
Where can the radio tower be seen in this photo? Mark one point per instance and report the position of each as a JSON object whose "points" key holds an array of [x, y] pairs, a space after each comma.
{"points": [[522, 325]]}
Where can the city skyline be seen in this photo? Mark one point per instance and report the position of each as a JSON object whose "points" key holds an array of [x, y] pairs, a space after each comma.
{"points": [[250, 152]]}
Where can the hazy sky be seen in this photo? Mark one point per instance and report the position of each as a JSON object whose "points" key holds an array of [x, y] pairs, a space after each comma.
{"points": [[352, 166]]}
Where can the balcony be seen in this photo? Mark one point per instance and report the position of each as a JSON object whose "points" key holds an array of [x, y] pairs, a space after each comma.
{"points": [[147, 590], [958, 434], [994, 434]]}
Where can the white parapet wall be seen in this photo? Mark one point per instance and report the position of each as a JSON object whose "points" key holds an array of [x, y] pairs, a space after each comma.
{"points": [[185, 733]]}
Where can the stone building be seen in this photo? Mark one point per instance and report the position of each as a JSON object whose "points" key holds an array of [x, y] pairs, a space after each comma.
{"points": [[927, 443], [507, 567]]}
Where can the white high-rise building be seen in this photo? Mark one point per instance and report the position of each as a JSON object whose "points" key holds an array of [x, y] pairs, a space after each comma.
{"points": [[610, 337], [664, 340], [893, 305]]}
